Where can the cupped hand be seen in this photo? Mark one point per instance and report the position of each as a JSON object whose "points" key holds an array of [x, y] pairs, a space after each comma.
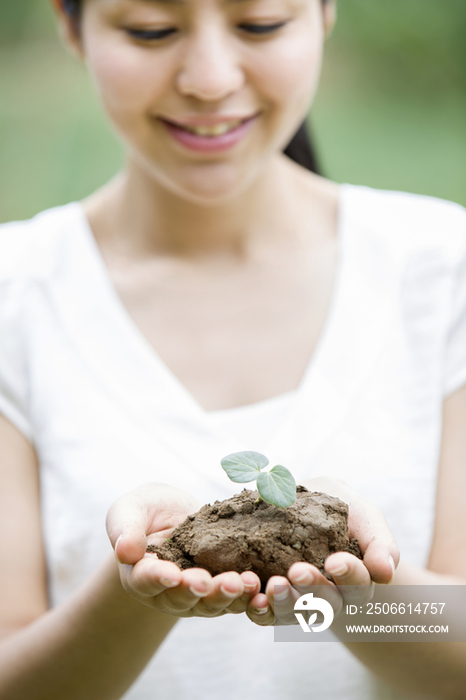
{"points": [[148, 515], [353, 579]]}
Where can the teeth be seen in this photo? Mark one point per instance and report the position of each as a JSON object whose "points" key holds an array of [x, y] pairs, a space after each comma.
{"points": [[213, 129]]}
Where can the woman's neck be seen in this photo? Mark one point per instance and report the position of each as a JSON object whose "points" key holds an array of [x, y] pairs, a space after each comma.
{"points": [[137, 217]]}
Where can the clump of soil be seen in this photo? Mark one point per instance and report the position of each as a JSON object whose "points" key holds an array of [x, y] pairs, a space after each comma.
{"points": [[241, 534]]}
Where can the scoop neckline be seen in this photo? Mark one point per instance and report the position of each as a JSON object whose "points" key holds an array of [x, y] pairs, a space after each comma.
{"points": [[256, 408], [150, 359], [130, 374]]}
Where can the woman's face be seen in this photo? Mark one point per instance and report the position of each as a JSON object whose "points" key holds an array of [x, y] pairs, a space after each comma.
{"points": [[204, 92]]}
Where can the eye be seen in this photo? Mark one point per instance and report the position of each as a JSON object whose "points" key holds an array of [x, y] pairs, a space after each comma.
{"points": [[261, 28], [150, 34]]}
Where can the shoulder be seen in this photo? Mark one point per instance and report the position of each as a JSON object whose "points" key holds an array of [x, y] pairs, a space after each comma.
{"points": [[406, 224], [28, 249]]}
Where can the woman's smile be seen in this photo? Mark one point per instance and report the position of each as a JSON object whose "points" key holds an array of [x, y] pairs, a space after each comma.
{"points": [[209, 136], [229, 80]]}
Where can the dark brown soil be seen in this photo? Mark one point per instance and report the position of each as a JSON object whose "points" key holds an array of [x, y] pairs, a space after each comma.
{"points": [[241, 534]]}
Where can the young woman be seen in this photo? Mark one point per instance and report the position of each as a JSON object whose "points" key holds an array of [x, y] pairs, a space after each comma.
{"points": [[217, 296]]}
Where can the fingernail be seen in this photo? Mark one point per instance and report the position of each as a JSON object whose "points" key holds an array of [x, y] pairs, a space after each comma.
{"points": [[168, 583], [260, 611], [248, 587], [306, 577], [200, 594], [116, 548], [391, 561], [281, 595], [229, 594], [338, 571]]}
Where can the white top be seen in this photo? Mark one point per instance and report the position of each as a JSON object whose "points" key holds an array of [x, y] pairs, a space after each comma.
{"points": [[254, 422], [105, 414]]}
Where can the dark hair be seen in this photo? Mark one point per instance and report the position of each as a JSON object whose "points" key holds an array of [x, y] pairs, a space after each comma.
{"points": [[300, 149]]}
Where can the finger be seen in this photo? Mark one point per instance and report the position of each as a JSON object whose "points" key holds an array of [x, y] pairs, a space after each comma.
{"points": [[351, 576], [150, 576], [252, 586], [347, 569], [308, 579], [282, 598], [368, 525], [381, 560], [259, 611], [195, 584], [226, 589], [251, 582], [302, 575], [127, 525], [381, 553], [153, 508]]}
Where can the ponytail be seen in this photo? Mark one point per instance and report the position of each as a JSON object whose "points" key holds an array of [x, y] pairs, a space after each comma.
{"points": [[72, 7], [301, 150]]}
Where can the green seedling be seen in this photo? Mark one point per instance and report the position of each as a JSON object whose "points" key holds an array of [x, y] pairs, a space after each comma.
{"points": [[276, 486]]}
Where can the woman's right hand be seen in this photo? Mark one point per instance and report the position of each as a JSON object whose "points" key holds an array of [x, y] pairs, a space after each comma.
{"points": [[148, 515]]}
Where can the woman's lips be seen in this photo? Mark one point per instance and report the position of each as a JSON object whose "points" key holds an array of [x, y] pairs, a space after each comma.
{"points": [[211, 143]]}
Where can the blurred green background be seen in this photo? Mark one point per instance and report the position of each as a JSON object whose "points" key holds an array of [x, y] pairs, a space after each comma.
{"points": [[390, 113]]}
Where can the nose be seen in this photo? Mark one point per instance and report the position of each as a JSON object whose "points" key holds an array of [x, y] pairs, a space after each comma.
{"points": [[211, 69]]}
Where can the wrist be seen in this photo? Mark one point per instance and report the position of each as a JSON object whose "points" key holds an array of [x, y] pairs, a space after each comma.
{"points": [[111, 601]]}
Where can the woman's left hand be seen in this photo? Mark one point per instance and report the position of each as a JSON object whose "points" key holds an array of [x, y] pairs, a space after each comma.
{"points": [[276, 605], [354, 579]]}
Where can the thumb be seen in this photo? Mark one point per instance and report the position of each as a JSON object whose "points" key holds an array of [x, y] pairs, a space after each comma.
{"points": [[381, 554], [381, 559], [127, 527], [368, 525]]}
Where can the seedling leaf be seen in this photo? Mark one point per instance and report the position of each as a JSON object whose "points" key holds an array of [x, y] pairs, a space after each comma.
{"points": [[242, 467], [277, 486]]}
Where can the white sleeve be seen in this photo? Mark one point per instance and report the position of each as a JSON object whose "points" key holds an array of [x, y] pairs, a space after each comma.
{"points": [[455, 350], [14, 391]]}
